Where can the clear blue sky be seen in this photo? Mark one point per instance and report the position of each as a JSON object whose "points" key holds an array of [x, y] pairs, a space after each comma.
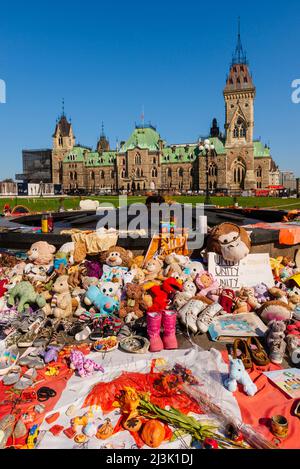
{"points": [[108, 59]]}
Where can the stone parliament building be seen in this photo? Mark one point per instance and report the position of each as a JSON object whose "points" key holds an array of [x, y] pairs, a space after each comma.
{"points": [[146, 162]]}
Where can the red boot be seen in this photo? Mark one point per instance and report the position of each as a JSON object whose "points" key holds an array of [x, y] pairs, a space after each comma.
{"points": [[153, 331], [169, 325]]}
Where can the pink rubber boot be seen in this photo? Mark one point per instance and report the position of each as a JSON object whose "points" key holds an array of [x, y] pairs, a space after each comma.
{"points": [[153, 331], [169, 325]]}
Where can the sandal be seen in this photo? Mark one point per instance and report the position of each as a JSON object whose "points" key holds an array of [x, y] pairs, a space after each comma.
{"points": [[257, 352], [240, 345], [27, 339]]}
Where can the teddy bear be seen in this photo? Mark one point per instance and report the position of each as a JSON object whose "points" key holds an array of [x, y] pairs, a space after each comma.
{"points": [[111, 289], [229, 241], [175, 263], [36, 273], [293, 300], [248, 294], [41, 253], [189, 290], [278, 294], [26, 295], [103, 303], [193, 268], [117, 257], [134, 306], [153, 270], [261, 293], [61, 302]]}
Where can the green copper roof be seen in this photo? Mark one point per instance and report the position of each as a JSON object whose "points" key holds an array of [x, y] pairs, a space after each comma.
{"points": [[95, 159], [260, 151], [180, 154], [218, 144], [76, 155], [143, 138]]}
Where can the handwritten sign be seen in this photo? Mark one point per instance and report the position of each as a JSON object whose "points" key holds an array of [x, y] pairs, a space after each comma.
{"points": [[249, 272]]}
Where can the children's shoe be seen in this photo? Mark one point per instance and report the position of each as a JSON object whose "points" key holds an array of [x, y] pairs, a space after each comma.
{"points": [[153, 331], [207, 316], [293, 344], [276, 331], [169, 319], [277, 349], [189, 313]]}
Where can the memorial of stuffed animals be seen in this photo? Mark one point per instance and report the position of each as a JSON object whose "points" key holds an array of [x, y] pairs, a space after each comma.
{"points": [[105, 346]]}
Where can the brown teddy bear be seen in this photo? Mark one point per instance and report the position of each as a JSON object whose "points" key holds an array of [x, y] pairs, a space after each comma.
{"points": [[61, 303], [117, 257], [153, 270], [229, 241], [134, 306], [41, 253]]}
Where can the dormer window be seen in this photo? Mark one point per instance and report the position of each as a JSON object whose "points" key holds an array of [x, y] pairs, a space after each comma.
{"points": [[245, 80]]}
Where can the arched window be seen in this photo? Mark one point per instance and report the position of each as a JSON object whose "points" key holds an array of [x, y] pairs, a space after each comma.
{"points": [[92, 175], [154, 160], [75, 175], [154, 172], [138, 173], [239, 173], [123, 173], [240, 130], [71, 175], [169, 172], [259, 172], [180, 172], [101, 174], [112, 174], [138, 159], [142, 173]]}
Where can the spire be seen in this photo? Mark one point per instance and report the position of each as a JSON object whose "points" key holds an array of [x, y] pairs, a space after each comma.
{"points": [[102, 130], [63, 107], [239, 56]]}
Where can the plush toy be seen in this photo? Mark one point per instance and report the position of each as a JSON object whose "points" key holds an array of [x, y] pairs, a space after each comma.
{"points": [[277, 310], [276, 266], [3, 288], [163, 295], [189, 290], [83, 366], [293, 300], [193, 268], [246, 294], [278, 294], [61, 302], [117, 257], [261, 293], [240, 306], [68, 250], [136, 275], [86, 282], [60, 262], [36, 273], [41, 253], [105, 304], [111, 289], [238, 375], [206, 284], [226, 300], [175, 263], [26, 295], [93, 269], [153, 269], [111, 274], [229, 241], [134, 306]]}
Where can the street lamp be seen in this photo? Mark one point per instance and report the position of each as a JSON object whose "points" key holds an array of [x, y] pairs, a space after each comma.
{"points": [[208, 147]]}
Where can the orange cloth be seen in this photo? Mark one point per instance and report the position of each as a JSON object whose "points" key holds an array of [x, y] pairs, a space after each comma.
{"points": [[268, 402]]}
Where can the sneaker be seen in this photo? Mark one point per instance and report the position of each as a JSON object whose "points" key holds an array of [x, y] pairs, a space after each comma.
{"points": [[189, 313], [293, 344], [277, 348], [207, 316], [276, 331]]}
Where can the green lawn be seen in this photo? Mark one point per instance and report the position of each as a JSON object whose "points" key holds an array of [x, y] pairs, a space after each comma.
{"points": [[52, 204]]}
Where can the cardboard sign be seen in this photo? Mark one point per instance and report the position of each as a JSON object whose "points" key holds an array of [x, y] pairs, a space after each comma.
{"points": [[249, 272]]}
